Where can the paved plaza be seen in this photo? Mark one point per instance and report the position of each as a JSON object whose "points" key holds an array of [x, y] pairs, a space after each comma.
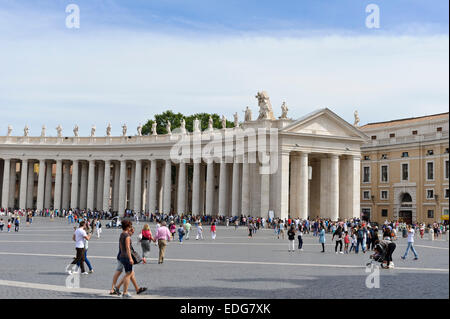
{"points": [[232, 266]]}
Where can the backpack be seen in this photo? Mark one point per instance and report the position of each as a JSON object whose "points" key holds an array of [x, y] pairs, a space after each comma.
{"points": [[360, 234]]}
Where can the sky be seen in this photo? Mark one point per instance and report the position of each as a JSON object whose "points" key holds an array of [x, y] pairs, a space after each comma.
{"points": [[130, 60]]}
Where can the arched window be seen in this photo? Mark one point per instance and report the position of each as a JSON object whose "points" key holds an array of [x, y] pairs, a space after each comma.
{"points": [[406, 198]]}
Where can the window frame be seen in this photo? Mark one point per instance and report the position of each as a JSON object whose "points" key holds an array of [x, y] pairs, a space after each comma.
{"points": [[370, 174], [381, 194], [427, 172], [428, 213], [445, 168], [445, 191], [401, 171], [426, 193], [381, 173], [387, 212], [364, 191]]}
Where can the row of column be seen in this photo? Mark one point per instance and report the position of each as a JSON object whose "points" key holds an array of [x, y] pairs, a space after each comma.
{"points": [[332, 191]]}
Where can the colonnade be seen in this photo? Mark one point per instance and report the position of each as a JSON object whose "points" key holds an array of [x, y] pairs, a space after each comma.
{"points": [[304, 184]]}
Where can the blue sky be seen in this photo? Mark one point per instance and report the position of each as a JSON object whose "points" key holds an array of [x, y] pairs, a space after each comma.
{"points": [[132, 59]]}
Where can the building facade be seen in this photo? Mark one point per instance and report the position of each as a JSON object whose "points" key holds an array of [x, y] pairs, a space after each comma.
{"points": [[299, 168], [405, 170]]}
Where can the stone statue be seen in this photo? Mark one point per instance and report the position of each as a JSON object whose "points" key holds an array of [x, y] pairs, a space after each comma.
{"points": [[265, 107], [154, 129], [59, 130], [284, 111], [124, 130], [224, 122], [168, 128], [196, 125], [26, 131], [210, 124], [248, 114], [108, 130], [356, 119], [10, 130], [236, 119], [43, 131], [93, 131], [183, 126], [75, 131], [139, 130]]}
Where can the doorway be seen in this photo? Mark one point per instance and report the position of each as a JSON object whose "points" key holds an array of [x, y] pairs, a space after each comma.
{"points": [[405, 216]]}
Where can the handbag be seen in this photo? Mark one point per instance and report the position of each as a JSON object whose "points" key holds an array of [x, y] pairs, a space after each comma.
{"points": [[135, 256]]}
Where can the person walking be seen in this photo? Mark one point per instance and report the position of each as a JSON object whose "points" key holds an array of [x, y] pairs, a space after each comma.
{"points": [[16, 224], [338, 234], [199, 231], [146, 237], [181, 233], [2, 224], [163, 235], [291, 237], [346, 242], [187, 228], [79, 237], [213, 230], [98, 227], [300, 237], [86, 246], [173, 229], [322, 239], [9, 225], [410, 243]]}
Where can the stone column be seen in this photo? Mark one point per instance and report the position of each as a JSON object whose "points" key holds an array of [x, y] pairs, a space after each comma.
{"points": [[302, 186], [325, 188], [48, 185], [84, 185], [122, 187], [58, 185], [196, 190], [223, 187], [132, 186], [334, 185], [138, 187], [23, 184], [41, 185], [106, 185], [152, 202], [209, 187], [116, 183], [30, 187], [74, 192], [5, 186], [235, 190], [12, 184], [264, 195], [355, 169], [245, 187], [167, 186], [181, 195], [282, 210], [100, 184], [66, 186]]}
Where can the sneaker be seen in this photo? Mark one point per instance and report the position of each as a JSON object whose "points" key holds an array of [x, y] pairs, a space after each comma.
{"points": [[141, 290], [403, 257], [341, 252], [416, 258], [91, 271], [127, 295], [85, 273]]}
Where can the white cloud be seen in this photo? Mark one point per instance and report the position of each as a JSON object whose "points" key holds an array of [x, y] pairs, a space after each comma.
{"points": [[85, 78]]}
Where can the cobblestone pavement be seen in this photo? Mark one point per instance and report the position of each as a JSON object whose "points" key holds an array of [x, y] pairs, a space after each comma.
{"points": [[33, 261]]}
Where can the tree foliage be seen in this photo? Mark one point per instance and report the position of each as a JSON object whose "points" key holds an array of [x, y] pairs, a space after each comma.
{"points": [[175, 121]]}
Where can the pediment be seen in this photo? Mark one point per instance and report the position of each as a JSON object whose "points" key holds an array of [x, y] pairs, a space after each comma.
{"points": [[325, 123]]}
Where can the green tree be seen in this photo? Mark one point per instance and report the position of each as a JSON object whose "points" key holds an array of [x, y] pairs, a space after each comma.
{"points": [[175, 121]]}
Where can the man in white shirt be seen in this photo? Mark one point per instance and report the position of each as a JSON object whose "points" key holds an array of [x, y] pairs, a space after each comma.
{"points": [[79, 237], [410, 243]]}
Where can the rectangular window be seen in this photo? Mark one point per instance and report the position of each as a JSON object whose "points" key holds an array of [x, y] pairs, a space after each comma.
{"points": [[367, 158], [374, 137], [384, 173], [384, 156], [405, 172], [446, 193], [366, 174], [430, 171], [430, 194], [384, 213], [414, 132], [430, 213], [405, 154], [392, 135], [385, 195], [430, 152], [446, 168], [366, 195], [439, 129]]}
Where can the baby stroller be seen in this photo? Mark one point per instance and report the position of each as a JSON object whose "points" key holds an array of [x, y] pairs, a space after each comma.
{"points": [[381, 256]]}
